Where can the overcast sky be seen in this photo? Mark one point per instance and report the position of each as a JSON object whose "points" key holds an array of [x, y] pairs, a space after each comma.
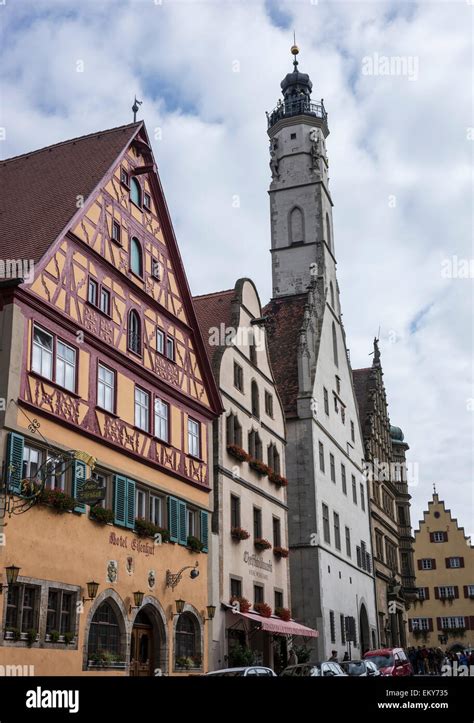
{"points": [[400, 154]]}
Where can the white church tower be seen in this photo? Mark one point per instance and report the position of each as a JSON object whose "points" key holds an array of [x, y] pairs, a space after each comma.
{"points": [[332, 583]]}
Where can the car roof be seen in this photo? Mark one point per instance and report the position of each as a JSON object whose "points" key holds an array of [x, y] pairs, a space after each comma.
{"points": [[382, 651], [232, 670]]}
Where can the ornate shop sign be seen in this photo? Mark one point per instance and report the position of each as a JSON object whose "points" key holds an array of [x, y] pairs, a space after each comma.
{"points": [[90, 492]]}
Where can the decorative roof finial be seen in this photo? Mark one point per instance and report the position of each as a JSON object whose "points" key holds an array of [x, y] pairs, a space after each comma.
{"points": [[434, 488], [135, 108], [294, 51]]}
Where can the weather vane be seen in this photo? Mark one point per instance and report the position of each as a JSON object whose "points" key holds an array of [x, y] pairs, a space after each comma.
{"points": [[434, 488], [294, 51], [135, 108]]}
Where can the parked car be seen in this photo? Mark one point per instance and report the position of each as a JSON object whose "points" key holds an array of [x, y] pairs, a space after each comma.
{"points": [[390, 661], [360, 668], [303, 670], [252, 670]]}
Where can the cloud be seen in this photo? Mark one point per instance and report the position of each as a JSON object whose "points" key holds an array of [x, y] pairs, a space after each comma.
{"points": [[399, 165]]}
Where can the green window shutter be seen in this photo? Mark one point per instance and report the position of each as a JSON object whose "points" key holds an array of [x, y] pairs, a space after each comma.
{"points": [[120, 499], [173, 519], [130, 508], [14, 465], [78, 476], [204, 529], [183, 537]]}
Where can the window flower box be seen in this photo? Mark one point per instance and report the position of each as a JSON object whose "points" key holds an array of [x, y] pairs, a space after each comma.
{"points": [[260, 467], [238, 533], [101, 515], [283, 613], [113, 665], [12, 634], [58, 500], [261, 544], [280, 552], [278, 479], [148, 529], [190, 663], [104, 659], [195, 544], [263, 609], [235, 451], [243, 603]]}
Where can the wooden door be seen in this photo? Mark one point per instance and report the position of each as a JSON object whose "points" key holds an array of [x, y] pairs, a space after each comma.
{"points": [[141, 650]]}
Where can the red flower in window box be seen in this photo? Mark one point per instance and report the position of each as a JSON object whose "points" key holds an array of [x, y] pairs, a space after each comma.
{"points": [[238, 533], [278, 479], [263, 609], [260, 467], [243, 602], [262, 544], [283, 613], [235, 451], [280, 552]]}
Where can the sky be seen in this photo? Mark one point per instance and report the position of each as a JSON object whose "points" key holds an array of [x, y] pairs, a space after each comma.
{"points": [[400, 152]]}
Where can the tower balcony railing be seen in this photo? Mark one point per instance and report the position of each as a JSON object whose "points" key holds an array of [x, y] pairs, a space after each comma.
{"points": [[301, 106]]}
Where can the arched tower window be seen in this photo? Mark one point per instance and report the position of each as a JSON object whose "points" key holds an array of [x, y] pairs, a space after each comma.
{"points": [[296, 226], [134, 332], [334, 344], [136, 257], [255, 400], [135, 192], [328, 232]]}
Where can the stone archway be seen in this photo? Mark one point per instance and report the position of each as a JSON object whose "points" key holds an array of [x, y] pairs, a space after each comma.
{"points": [[364, 630], [148, 640]]}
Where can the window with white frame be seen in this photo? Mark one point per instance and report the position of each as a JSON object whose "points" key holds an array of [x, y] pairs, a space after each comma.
{"points": [[170, 348], [454, 562], [156, 510], [105, 388], [420, 624], [32, 461], [453, 622], [421, 593], [55, 473], [438, 536], [191, 523], [160, 341], [42, 361], [470, 590], [65, 366], [142, 409], [446, 591], [427, 564], [194, 438], [161, 419], [140, 504]]}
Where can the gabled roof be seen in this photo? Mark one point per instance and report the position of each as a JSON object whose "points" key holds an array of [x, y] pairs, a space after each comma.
{"points": [[212, 310], [39, 190], [284, 321]]}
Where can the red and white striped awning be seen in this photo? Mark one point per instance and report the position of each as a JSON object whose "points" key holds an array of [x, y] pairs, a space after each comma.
{"points": [[277, 626]]}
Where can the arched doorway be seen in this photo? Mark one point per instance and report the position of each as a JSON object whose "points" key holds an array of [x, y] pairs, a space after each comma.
{"points": [[147, 643], [364, 629]]}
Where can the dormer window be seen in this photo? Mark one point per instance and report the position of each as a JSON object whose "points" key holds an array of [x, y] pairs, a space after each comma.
{"points": [[135, 192]]}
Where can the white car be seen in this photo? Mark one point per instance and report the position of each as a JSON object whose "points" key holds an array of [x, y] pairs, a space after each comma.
{"points": [[360, 668], [326, 669], [250, 671]]}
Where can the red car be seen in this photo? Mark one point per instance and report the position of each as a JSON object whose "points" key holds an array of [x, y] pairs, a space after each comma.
{"points": [[390, 661]]}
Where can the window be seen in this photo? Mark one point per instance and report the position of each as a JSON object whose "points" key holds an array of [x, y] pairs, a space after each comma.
{"points": [[105, 388], [426, 564], [342, 625], [454, 562], [402, 516], [147, 201], [156, 510], [255, 445], [56, 473], [293, 136], [188, 639], [116, 232], [379, 545], [60, 614], [161, 420], [268, 404], [276, 532], [32, 461], [328, 232], [273, 458], [332, 467], [136, 257], [321, 457], [343, 414], [140, 504], [332, 626], [354, 490], [235, 587], [326, 532], [446, 592], [104, 305], [124, 177], [352, 431], [358, 556], [334, 344], [170, 348], [362, 497], [65, 366], [238, 377], [194, 438], [135, 192], [420, 624], [234, 511], [191, 526], [336, 406], [257, 594], [22, 607], [343, 479], [326, 401], [92, 292], [255, 400], [42, 361], [337, 531], [348, 542], [438, 537], [391, 552], [134, 332], [142, 409], [252, 349], [278, 599], [452, 623], [257, 522], [469, 591], [421, 591], [104, 634], [160, 341], [234, 430]]}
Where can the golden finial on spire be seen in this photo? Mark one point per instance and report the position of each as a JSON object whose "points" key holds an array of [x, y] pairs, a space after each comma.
{"points": [[294, 48]]}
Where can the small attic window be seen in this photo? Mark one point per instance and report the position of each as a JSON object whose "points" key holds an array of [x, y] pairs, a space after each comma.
{"points": [[293, 136], [147, 200], [124, 177]]}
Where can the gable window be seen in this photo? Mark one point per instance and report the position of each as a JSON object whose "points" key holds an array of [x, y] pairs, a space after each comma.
{"points": [[343, 479], [135, 192], [142, 409], [147, 201], [116, 232], [238, 377], [255, 400], [160, 341], [321, 457], [42, 361], [105, 301], [255, 445], [134, 332], [326, 532], [92, 292], [65, 366], [170, 348], [252, 349], [268, 404], [326, 401], [354, 490], [334, 345], [105, 388], [124, 178], [98, 296], [161, 419], [194, 438], [136, 257], [438, 537]]}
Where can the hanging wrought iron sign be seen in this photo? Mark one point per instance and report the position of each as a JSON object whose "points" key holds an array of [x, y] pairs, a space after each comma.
{"points": [[90, 492]]}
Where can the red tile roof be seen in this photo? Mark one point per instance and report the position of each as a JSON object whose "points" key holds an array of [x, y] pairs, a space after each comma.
{"points": [[285, 319], [39, 189], [212, 310]]}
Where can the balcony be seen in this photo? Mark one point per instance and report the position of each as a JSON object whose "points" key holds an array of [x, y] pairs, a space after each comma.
{"points": [[302, 106]]}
